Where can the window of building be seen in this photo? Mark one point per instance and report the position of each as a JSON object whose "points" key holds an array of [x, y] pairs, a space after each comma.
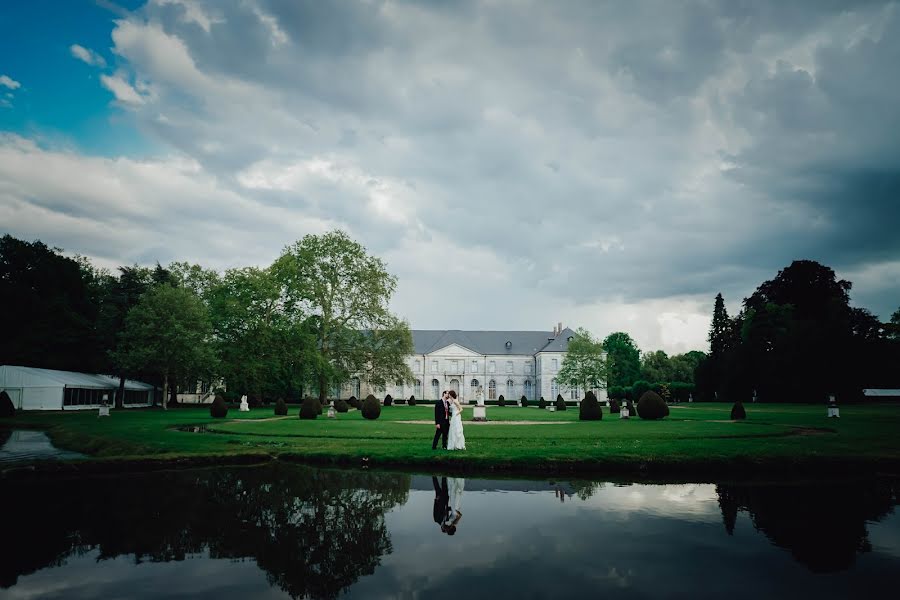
{"points": [[555, 364], [418, 366], [435, 389], [509, 366], [434, 366], [354, 387], [554, 389], [418, 388], [492, 390], [398, 388], [493, 366], [510, 389], [474, 366], [528, 389], [474, 387], [573, 393], [529, 368]]}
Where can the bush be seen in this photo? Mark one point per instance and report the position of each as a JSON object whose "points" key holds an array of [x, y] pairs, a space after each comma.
{"points": [[371, 408], [501, 401], [614, 406], [737, 411], [388, 400], [590, 409], [542, 403], [341, 406], [665, 392], [560, 403], [318, 406], [353, 401], [630, 405], [523, 401], [639, 389], [616, 392], [7, 410], [280, 407], [412, 401], [218, 409], [681, 390], [310, 408], [651, 406]]}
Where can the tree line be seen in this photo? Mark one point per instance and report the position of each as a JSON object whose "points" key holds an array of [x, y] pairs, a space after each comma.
{"points": [[305, 324]]}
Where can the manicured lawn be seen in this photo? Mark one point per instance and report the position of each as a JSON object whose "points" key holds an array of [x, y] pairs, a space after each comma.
{"points": [[693, 434]]}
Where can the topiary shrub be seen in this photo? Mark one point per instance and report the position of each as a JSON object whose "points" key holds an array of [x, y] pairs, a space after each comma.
{"points": [[310, 408], [614, 406], [218, 409], [542, 403], [412, 401], [280, 407], [651, 406], [615, 392], [341, 406], [630, 406], [639, 388], [319, 409], [590, 409], [560, 403], [737, 411], [353, 401], [501, 401], [7, 410], [371, 408], [523, 401], [388, 400]]}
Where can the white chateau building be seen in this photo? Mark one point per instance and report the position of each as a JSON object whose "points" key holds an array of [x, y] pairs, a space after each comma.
{"points": [[508, 363]]}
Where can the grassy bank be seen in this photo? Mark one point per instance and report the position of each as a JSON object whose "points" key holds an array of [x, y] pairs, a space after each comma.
{"points": [[695, 438]]}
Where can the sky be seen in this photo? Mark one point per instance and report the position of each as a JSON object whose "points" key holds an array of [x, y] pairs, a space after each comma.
{"points": [[609, 165]]}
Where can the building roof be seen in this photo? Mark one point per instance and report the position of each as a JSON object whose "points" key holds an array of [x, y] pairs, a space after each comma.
{"points": [[16, 376], [426, 341]]}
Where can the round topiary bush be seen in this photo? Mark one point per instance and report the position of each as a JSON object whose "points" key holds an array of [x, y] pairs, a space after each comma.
{"points": [[639, 388], [501, 401], [310, 408], [218, 409], [280, 407], [371, 408], [590, 409], [614, 406], [738, 413], [353, 402], [412, 401], [388, 400], [523, 401], [341, 406], [651, 406], [542, 403], [7, 410], [560, 403], [319, 409]]}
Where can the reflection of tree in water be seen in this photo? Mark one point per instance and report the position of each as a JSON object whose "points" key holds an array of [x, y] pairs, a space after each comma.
{"points": [[313, 532], [822, 525]]}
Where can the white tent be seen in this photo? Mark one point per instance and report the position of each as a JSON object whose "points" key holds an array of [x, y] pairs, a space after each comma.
{"points": [[31, 388]]}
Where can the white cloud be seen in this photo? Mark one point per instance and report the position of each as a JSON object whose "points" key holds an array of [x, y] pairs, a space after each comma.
{"points": [[7, 81], [122, 90], [87, 56]]}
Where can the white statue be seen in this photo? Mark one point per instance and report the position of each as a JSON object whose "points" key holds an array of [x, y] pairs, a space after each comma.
{"points": [[244, 406], [479, 396]]}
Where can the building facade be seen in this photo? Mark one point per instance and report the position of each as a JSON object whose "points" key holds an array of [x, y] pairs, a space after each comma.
{"points": [[508, 363]]}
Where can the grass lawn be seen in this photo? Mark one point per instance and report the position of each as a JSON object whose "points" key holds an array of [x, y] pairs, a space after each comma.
{"points": [[693, 437]]}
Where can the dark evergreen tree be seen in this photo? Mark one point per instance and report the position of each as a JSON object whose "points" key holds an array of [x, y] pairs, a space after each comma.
{"points": [[721, 328]]}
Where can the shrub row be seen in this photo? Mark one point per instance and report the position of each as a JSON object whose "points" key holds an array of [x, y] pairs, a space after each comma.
{"points": [[678, 391]]}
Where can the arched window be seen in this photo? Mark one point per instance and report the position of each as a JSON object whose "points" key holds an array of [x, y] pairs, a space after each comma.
{"points": [[573, 393], [398, 388], [474, 387], [528, 389], [510, 389], [492, 390], [418, 389], [435, 389], [554, 389], [354, 387]]}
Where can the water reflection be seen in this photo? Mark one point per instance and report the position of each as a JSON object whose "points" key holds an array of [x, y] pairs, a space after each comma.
{"points": [[320, 534]]}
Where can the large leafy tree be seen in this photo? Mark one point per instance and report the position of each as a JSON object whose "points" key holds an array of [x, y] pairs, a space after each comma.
{"points": [[585, 363], [656, 367], [166, 332], [342, 290], [623, 359]]}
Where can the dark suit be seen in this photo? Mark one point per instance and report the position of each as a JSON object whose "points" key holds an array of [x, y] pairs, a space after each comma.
{"points": [[441, 500], [440, 418]]}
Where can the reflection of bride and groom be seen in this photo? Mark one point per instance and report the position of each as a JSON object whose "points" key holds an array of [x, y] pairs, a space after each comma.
{"points": [[448, 423], [448, 502]]}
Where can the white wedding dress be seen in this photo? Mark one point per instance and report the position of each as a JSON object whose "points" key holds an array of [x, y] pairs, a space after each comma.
{"points": [[457, 486], [455, 438]]}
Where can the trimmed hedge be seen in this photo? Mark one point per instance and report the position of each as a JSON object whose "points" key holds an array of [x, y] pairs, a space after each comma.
{"points": [[310, 408], [614, 406], [280, 407], [388, 400], [412, 401], [616, 392], [639, 388], [542, 403], [524, 402], [7, 410], [371, 408], [560, 403], [651, 406], [590, 409], [341, 406], [501, 401], [218, 409], [738, 413], [353, 401]]}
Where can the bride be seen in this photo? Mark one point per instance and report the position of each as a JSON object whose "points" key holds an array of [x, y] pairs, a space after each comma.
{"points": [[455, 440]]}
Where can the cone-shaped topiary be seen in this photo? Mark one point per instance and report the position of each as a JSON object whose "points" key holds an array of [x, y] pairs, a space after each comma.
{"points": [[7, 410], [371, 408], [310, 408], [319, 410], [590, 409], [560, 403], [501, 401], [614, 406], [218, 409], [651, 406], [412, 401], [340, 405], [388, 400], [542, 403], [523, 401], [737, 411], [353, 402], [280, 407]]}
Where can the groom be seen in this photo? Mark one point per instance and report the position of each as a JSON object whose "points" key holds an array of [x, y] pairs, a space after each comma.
{"points": [[441, 421]]}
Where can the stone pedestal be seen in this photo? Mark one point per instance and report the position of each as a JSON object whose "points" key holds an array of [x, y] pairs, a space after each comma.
{"points": [[479, 413], [104, 411], [623, 412], [331, 412], [551, 408]]}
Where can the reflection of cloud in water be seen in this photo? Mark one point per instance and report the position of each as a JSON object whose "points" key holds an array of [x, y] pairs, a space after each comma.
{"points": [[697, 501]]}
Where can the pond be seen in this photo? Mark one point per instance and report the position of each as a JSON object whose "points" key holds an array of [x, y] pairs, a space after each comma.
{"points": [[24, 445], [287, 531]]}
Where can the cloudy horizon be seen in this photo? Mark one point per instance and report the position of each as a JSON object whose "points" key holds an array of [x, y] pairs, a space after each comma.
{"points": [[516, 164]]}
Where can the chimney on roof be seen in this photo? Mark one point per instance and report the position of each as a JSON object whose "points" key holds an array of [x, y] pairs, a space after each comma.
{"points": [[559, 328], [554, 331]]}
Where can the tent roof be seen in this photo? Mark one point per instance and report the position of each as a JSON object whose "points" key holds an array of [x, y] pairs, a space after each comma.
{"points": [[36, 377], [427, 341]]}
